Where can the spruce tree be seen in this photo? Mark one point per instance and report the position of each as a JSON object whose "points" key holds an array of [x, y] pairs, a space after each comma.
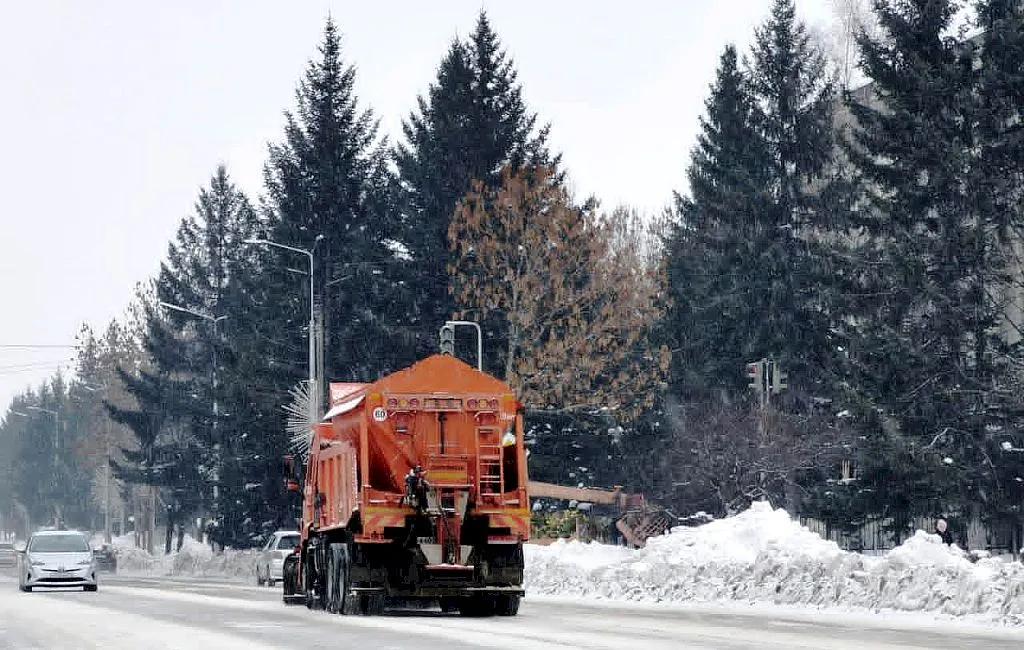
{"points": [[793, 95], [327, 185], [185, 441], [937, 247], [745, 260], [709, 251], [470, 125], [998, 178]]}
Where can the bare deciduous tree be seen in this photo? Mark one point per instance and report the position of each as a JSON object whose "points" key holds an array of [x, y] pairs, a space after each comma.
{"points": [[839, 39], [721, 456]]}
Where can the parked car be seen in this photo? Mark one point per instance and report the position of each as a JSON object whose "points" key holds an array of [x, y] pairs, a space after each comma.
{"points": [[8, 554], [271, 558], [57, 558], [106, 558]]}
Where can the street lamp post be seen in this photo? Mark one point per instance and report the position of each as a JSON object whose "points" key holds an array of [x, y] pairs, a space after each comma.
{"points": [[314, 382], [215, 320]]}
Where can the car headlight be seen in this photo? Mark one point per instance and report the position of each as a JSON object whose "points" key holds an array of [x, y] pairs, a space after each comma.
{"points": [[37, 563], [85, 563]]}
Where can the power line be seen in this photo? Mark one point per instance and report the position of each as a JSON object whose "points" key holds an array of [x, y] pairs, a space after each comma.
{"points": [[33, 346], [30, 364]]}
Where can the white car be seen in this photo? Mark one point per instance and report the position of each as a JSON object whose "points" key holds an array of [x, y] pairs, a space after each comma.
{"points": [[57, 558], [271, 558]]}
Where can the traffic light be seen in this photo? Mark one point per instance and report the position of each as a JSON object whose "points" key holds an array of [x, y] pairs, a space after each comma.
{"points": [[448, 339], [755, 372], [778, 379]]}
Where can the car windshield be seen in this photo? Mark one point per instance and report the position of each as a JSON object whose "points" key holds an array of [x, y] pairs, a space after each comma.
{"points": [[59, 544], [288, 541]]}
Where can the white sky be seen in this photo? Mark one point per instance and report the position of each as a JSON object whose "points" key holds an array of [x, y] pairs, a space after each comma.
{"points": [[115, 113]]}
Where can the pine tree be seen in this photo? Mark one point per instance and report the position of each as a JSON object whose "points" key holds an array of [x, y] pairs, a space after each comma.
{"points": [[328, 184], [471, 124]]}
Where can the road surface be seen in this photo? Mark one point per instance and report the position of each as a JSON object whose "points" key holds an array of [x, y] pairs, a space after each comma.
{"points": [[179, 613]]}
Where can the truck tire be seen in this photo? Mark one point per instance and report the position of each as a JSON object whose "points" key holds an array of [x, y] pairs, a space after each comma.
{"points": [[506, 605], [345, 602], [332, 586], [314, 578], [288, 576]]}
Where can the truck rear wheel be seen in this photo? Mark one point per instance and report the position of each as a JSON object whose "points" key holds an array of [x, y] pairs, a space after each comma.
{"points": [[345, 602], [334, 580], [314, 579]]}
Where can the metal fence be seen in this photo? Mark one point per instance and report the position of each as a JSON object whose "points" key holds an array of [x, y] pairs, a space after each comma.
{"points": [[875, 537]]}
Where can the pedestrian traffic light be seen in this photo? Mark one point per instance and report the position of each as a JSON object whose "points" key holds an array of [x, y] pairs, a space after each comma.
{"points": [[755, 372], [448, 339]]}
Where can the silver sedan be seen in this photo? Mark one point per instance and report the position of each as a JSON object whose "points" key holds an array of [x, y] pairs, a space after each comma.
{"points": [[57, 558]]}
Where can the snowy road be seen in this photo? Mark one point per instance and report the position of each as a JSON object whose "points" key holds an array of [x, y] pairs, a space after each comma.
{"points": [[159, 613]]}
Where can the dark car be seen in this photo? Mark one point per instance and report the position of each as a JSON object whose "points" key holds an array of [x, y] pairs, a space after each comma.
{"points": [[8, 554], [106, 558]]}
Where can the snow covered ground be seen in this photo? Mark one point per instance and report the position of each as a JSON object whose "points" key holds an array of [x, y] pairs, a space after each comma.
{"points": [[194, 560], [763, 556], [760, 557]]}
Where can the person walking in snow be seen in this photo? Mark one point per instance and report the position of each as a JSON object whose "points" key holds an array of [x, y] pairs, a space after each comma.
{"points": [[941, 529]]}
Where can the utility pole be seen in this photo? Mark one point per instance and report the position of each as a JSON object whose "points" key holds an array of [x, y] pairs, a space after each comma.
{"points": [[766, 379], [104, 391], [106, 498]]}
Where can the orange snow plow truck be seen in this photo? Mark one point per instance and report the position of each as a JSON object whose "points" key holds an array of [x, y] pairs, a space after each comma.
{"points": [[415, 489]]}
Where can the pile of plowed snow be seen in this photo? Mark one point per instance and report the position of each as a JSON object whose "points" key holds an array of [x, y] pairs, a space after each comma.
{"points": [[762, 555], [195, 559]]}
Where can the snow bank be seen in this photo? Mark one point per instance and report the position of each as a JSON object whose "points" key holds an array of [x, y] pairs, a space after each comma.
{"points": [[194, 560], [761, 555]]}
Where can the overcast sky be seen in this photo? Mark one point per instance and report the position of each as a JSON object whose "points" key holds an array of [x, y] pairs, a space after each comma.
{"points": [[116, 113]]}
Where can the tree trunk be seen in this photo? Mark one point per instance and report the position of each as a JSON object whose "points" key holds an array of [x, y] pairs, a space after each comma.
{"points": [[151, 522]]}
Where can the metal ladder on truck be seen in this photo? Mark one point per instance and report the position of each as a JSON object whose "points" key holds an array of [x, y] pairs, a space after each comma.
{"points": [[490, 471]]}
